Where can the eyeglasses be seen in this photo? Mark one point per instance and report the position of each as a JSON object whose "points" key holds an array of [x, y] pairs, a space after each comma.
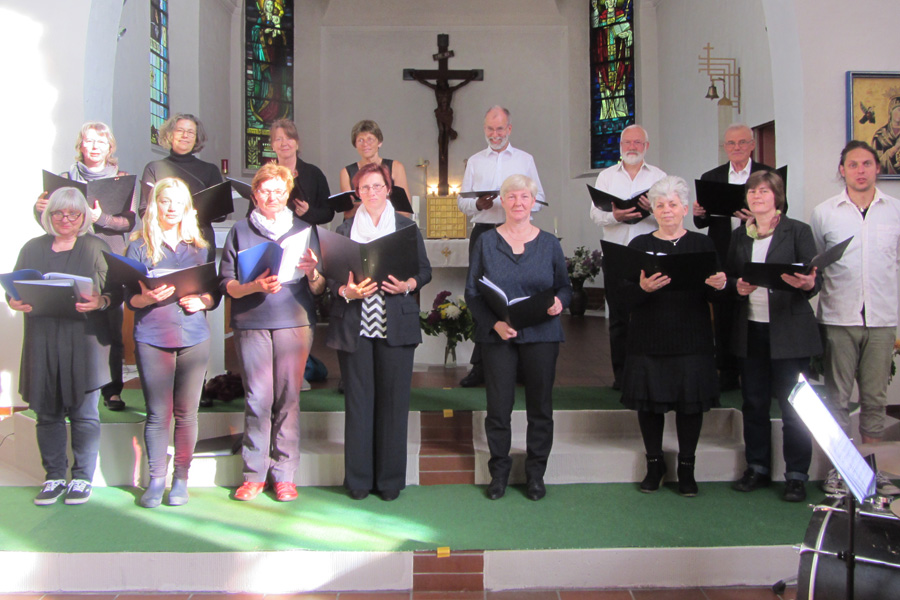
{"points": [[374, 188], [58, 215], [366, 141], [101, 143], [739, 143], [188, 133], [271, 193]]}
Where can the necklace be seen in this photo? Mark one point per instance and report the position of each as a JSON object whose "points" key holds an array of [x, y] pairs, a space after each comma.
{"points": [[674, 241]]}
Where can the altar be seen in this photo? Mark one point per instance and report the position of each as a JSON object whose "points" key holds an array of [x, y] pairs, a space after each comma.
{"points": [[449, 265]]}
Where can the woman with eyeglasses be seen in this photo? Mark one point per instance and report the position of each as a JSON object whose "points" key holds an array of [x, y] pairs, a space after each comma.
{"points": [[273, 325], [367, 138], [65, 360], [183, 135], [95, 154], [171, 336], [374, 326]]}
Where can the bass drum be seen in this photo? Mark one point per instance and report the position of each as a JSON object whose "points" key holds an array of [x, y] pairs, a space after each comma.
{"points": [[823, 576]]}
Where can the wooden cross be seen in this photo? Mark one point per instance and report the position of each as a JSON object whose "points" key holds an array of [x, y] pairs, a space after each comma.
{"points": [[443, 92]]}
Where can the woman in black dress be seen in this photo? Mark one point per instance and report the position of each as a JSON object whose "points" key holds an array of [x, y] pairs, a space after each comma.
{"points": [[670, 362], [65, 361]]}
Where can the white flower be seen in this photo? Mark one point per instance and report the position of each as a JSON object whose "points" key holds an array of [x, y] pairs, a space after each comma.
{"points": [[452, 311]]}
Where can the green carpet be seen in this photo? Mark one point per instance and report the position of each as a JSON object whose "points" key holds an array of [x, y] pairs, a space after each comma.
{"points": [[423, 399], [424, 517]]}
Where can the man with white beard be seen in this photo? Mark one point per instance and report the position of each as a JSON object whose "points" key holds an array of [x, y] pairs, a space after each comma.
{"points": [[486, 170], [624, 180]]}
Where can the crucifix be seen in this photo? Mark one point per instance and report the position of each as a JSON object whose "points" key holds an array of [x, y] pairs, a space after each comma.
{"points": [[443, 92]]}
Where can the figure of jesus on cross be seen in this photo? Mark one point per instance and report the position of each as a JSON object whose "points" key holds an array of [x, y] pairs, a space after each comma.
{"points": [[443, 92]]}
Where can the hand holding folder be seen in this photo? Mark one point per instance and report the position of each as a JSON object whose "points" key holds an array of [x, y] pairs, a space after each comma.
{"points": [[771, 275], [609, 203], [394, 254], [199, 279], [518, 313]]}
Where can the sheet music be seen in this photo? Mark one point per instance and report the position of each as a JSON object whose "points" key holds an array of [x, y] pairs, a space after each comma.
{"points": [[834, 442]]}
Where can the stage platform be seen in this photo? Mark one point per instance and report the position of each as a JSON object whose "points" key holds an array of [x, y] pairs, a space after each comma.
{"points": [[593, 530]]}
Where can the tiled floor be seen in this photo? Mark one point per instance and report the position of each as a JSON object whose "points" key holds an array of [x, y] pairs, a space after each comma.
{"points": [[642, 594]]}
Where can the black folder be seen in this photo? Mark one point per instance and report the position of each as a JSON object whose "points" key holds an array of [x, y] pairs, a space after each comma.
{"points": [[114, 193], [687, 271], [199, 279], [400, 200], [214, 202], [768, 275], [720, 199], [243, 188], [50, 298], [476, 194], [342, 202], [518, 312], [395, 254], [605, 202]]}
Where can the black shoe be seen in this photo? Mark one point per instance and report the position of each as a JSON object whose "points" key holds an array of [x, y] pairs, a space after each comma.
{"points": [[687, 485], [359, 494], [474, 378], [114, 402], [341, 385], [206, 401], [656, 471], [752, 480], [794, 491], [535, 489], [388, 495], [496, 489]]}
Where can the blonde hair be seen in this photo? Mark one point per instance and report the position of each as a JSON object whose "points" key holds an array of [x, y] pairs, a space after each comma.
{"points": [[101, 129], [151, 232]]}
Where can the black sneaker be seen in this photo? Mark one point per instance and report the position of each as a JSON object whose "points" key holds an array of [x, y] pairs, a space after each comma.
{"points": [[79, 491], [794, 491], [114, 403], [51, 492]]}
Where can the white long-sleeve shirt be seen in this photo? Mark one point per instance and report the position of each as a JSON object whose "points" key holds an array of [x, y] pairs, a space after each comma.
{"points": [[867, 274], [487, 170], [615, 180]]}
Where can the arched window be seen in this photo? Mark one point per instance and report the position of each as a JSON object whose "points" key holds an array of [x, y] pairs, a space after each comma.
{"points": [[159, 66], [612, 77], [269, 74]]}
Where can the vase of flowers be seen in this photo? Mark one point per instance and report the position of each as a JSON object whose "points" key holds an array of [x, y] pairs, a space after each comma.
{"points": [[452, 318], [583, 266]]}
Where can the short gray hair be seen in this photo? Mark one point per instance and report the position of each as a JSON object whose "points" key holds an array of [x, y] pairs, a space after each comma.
{"points": [[667, 186], [737, 126], [514, 183], [501, 108], [168, 128], [635, 126], [66, 198]]}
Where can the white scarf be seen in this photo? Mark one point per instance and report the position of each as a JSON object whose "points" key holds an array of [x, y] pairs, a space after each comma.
{"points": [[364, 230], [273, 229]]}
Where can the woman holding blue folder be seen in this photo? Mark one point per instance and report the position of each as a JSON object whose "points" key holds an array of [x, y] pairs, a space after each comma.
{"points": [[171, 335], [523, 261], [273, 324]]}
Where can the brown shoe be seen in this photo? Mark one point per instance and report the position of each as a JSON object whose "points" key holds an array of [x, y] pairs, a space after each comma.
{"points": [[249, 490], [285, 491]]}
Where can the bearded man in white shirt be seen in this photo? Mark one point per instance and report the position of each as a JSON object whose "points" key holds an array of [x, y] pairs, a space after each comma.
{"points": [[486, 171], [858, 303], [624, 180]]}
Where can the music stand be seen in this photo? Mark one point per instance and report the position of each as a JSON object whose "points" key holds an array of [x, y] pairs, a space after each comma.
{"points": [[857, 473]]}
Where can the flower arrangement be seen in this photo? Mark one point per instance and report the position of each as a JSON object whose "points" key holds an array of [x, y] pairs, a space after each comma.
{"points": [[450, 317], [584, 264]]}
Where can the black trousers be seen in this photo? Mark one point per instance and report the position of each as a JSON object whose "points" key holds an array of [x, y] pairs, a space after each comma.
{"points": [[617, 324], [724, 313], [538, 365], [763, 377], [377, 383], [477, 230]]}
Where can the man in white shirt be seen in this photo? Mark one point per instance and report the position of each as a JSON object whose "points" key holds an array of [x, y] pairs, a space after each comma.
{"points": [[859, 299], [624, 180], [485, 172], [739, 145]]}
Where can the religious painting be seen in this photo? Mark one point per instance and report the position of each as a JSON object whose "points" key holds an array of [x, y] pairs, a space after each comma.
{"points": [[269, 74], [873, 116], [159, 67], [612, 77]]}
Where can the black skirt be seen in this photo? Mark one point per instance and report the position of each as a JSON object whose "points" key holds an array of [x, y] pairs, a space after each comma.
{"points": [[684, 383]]}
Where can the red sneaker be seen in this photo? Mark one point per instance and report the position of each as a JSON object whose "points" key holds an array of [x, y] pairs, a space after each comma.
{"points": [[249, 490], [285, 491]]}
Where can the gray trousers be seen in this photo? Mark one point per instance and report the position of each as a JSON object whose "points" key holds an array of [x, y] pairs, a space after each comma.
{"points": [[860, 355], [52, 438], [273, 362], [172, 380]]}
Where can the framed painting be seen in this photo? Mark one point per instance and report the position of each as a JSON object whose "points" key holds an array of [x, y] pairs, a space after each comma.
{"points": [[873, 116]]}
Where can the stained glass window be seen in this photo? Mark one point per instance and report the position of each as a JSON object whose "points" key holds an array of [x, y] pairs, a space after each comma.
{"points": [[159, 66], [269, 74], [612, 77]]}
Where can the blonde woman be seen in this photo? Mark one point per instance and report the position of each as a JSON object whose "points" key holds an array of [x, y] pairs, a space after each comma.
{"points": [[171, 335]]}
